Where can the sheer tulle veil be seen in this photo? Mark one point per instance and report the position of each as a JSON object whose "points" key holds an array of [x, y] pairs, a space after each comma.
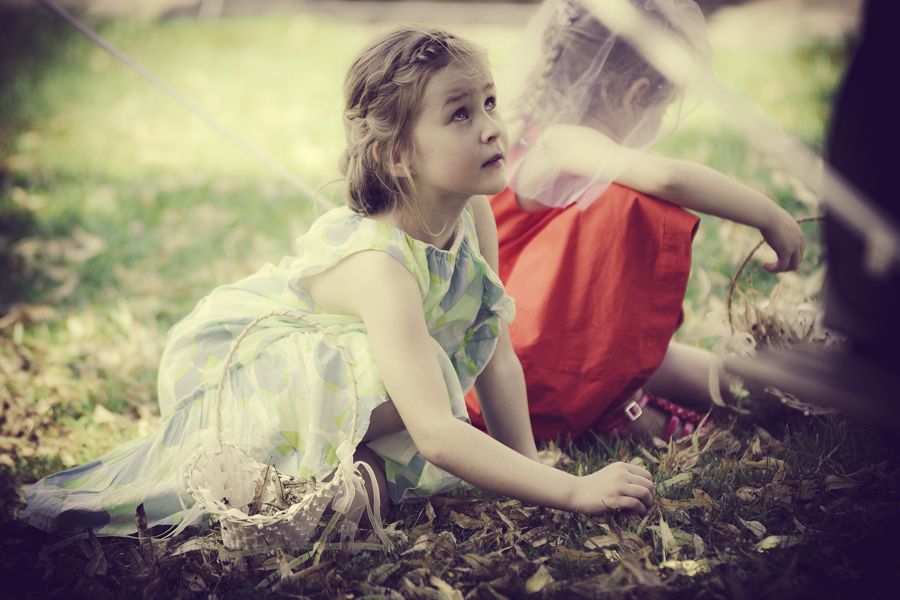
{"points": [[591, 84]]}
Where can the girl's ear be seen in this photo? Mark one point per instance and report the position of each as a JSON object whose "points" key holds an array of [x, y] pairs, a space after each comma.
{"points": [[396, 168], [400, 170], [635, 93]]}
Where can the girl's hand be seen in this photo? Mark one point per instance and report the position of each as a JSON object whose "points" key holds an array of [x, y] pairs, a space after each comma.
{"points": [[619, 486], [786, 238]]}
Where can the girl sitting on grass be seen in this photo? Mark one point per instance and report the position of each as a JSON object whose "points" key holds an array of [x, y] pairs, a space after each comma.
{"points": [[599, 270], [405, 277]]}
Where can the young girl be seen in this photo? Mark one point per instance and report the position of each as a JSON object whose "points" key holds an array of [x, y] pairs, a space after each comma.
{"points": [[405, 277], [599, 271]]}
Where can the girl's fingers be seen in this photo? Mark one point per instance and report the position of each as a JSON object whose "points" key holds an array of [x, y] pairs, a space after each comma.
{"points": [[626, 503], [641, 493], [647, 484], [638, 470]]}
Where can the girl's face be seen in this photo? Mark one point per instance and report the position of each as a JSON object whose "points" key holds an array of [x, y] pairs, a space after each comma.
{"points": [[460, 138]]}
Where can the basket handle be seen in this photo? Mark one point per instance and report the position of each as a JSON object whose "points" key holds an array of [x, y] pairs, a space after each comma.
{"points": [[743, 264], [302, 317]]}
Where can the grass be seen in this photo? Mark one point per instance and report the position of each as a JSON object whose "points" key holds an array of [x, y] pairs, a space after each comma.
{"points": [[118, 211]]}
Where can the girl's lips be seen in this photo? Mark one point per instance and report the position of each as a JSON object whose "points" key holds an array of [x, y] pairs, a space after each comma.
{"points": [[494, 162]]}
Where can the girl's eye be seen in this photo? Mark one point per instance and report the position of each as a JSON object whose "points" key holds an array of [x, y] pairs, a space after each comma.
{"points": [[490, 103], [460, 115]]}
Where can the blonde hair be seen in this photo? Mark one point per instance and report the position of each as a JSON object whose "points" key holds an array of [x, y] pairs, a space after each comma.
{"points": [[383, 91], [575, 40]]}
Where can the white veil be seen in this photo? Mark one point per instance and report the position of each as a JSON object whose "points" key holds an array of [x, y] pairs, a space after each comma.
{"points": [[591, 84]]}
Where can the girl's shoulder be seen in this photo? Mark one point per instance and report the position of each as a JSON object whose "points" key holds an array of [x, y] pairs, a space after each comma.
{"points": [[341, 232]]}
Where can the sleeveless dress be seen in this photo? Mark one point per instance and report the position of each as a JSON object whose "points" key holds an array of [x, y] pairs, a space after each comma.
{"points": [[287, 400], [599, 295]]}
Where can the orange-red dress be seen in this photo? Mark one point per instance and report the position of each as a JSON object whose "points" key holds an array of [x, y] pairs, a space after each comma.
{"points": [[598, 297]]}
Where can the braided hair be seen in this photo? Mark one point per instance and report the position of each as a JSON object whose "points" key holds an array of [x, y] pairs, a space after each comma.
{"points": [[383, 91], [573, 42]]}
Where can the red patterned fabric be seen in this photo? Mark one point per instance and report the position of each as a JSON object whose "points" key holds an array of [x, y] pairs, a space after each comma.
{"points": [[598, 297]]}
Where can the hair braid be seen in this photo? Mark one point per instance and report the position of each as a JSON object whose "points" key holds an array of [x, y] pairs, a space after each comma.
{"points": [[572, 42]]}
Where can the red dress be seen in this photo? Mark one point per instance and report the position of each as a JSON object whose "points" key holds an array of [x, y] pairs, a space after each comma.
{"points": [[598, 297]]}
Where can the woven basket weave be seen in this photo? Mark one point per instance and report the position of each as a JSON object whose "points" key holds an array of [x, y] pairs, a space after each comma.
{"points": [[223, 479]]}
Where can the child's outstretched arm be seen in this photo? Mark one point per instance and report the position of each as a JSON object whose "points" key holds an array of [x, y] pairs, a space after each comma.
{"points": [[680, 182], [700, 188], [381, 291]]}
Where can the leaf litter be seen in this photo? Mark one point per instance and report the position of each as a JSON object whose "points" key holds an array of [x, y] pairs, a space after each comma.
{"points": [[739, 510]]}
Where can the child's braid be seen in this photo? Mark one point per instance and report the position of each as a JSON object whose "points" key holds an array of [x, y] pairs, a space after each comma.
{"points": [[573, 41], [537, 102]]}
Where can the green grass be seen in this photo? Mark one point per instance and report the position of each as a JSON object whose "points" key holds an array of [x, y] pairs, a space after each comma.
{"points": [[86, 145]]}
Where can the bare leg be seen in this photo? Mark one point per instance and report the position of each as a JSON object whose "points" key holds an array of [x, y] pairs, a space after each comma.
{"points": [[364, 454], [385, 420], [683, 378], [651, 422]]}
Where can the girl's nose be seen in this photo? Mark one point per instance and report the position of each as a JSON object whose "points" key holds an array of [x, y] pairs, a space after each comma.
{"points": [[493, 128]]}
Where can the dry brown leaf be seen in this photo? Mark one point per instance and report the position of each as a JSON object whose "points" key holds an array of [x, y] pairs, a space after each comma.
{"points": [[540, 580], [839, 482], [493, 564], [98, 564], [424, 543], [638, 571], [648, 456], [445, 588], [564, 553], [140, 518], [512, 527], [672, 506], [632, 541], [256, 503], [195, 582], [777, 541], [717, 439], [628, 542], [553, 456], [770, 464], [667, 540], [602, 541], [699, 546], [749, 494], [381, 573], [705, 499], [536, 536], [465, 522], [680, 480], [691, 568], [754, 527]]}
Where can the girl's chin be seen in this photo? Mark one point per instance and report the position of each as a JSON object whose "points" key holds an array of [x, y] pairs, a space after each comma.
{"points": [[499, 186], [497, 190]]}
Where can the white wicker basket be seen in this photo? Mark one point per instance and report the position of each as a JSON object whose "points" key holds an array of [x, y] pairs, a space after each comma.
{"points": [[223, 479]]}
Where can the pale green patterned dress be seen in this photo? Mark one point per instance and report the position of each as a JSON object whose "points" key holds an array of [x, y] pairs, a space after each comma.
{"points": [[287, 401]]}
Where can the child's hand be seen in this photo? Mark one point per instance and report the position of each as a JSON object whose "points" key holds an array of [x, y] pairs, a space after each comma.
{"points": [[619, 486], [786, 239]]}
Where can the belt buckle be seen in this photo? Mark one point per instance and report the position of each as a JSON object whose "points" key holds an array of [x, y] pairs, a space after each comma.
{"points": [[633, 410]]}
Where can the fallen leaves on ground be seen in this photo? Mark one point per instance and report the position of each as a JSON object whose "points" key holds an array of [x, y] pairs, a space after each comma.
{"points": [[735, 503], [469, 545]]}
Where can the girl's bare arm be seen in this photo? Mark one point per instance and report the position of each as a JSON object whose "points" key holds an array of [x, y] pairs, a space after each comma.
{"points": [[501, 385], [380, 290], [698, 187], [690, 185]]}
